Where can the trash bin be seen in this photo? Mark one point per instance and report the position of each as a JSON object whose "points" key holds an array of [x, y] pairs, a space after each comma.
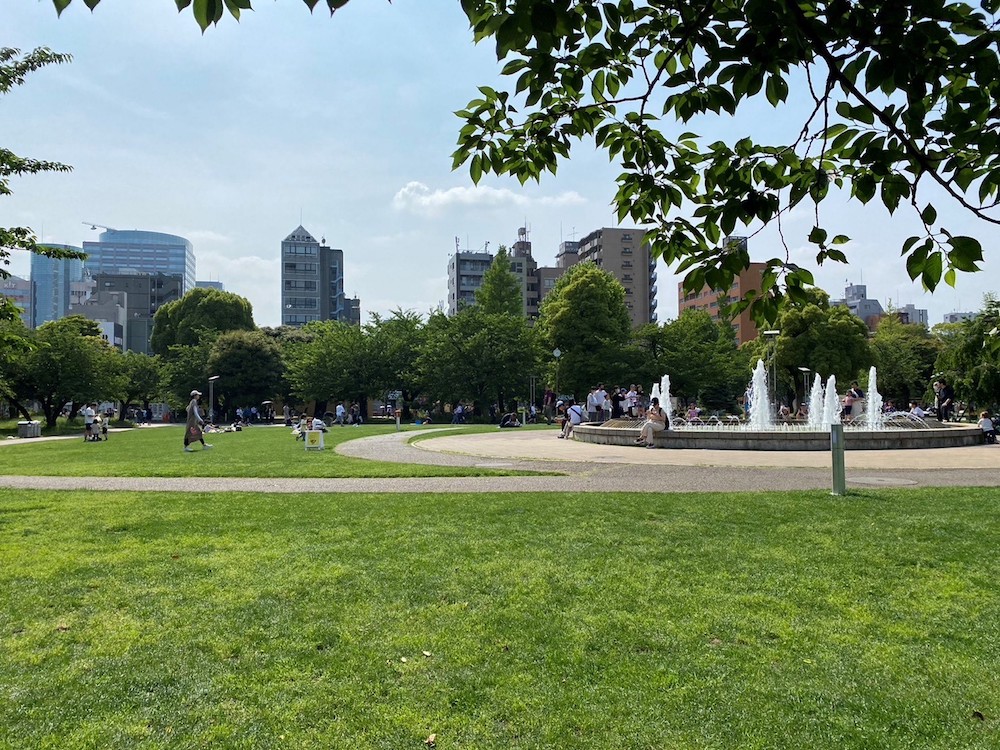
{"points": [[29, 429]]}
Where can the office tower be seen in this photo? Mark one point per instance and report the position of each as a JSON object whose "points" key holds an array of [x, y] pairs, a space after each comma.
{"points": [[108, 310], [959, 317], [143, 295], [312, 281], [912, 314], [52, 281], [130, 252], [857, 301], [217, 285], [18, 291], [622, 253], [465, 275]]}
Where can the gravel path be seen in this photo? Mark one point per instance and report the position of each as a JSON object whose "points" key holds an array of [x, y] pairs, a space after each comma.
{"points": [[591, 471]]}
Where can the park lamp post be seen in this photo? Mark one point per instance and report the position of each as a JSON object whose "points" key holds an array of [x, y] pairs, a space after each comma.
{"points": [[211, 398], [557, 354], [805, 381], [772, 336]]}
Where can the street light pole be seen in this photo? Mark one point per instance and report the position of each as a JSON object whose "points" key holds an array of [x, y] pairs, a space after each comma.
{"points": [[805, 382], [211, 398], [557, 354]]}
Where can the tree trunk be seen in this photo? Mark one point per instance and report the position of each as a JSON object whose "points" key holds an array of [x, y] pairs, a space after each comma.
{"points": [[21, 410]]}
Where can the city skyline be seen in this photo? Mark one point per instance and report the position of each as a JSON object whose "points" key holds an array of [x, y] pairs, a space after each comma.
{"points": [[343, 125]]}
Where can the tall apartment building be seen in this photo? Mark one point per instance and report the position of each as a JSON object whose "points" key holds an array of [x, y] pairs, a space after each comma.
{"points": [[18, 291], [312, 281], [144, 294], [465, 275], [622, 253], [130, 252], [524, 267], [712, 301], [618, 251], [52, 281], [352, 314]]}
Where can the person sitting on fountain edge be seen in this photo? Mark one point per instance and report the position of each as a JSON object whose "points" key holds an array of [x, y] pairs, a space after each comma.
{"points": [[656, 422]]}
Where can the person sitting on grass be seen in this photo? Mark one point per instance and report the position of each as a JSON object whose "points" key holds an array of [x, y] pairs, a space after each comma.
{"points": [[509, 420], [656, 422]]}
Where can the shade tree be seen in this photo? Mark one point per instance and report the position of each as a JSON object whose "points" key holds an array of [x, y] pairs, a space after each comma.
{"points": [[584, 316], [185, 321], [477, 356]]}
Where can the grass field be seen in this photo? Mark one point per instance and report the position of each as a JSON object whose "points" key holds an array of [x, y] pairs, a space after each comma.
{"points": [[783, 620], [254, 452]]}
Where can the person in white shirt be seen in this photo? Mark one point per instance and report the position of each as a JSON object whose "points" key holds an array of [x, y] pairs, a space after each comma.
{"points": [[341, 414], [88, 413], [916, 411], [574, 416], [986, 425]]}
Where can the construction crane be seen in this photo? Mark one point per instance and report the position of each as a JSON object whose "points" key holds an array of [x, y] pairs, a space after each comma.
{"points": [[94, 225]]}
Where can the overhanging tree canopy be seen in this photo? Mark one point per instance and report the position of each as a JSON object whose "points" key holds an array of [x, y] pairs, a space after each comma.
{"points": [[14, 67], [901, 97]]}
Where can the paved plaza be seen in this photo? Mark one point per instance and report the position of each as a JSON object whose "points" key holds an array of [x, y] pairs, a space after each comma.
{"points": [[586, 467]]}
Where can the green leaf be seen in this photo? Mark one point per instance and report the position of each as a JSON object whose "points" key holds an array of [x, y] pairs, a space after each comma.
{"points": [[949, 277], [928, 215], [933, 268], [207, 12], [60, 6], [965, 253], [817, 236]]}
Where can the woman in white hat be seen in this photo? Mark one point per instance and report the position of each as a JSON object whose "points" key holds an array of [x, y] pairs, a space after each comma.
{"points": [[192, 430]]}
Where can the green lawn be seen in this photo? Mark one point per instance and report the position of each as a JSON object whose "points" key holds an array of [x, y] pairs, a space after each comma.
{"points": [[254, 452], [783, 620]]}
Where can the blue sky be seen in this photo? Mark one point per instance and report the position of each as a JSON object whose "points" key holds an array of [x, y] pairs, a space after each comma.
{"points": [[233, 137]]}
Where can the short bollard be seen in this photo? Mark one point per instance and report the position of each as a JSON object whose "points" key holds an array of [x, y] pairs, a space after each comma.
{"points": [[398, 412], [837, 449]]}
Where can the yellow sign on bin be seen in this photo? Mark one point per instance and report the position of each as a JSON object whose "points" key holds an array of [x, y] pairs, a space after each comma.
{"points": [[314, 440]]}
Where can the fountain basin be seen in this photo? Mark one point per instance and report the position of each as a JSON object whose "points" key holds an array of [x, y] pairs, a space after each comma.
{"points": [[739, 438]]}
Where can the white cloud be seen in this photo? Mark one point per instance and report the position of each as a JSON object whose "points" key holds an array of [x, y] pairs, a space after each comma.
{"points": [[419, 198], [197, 236]]}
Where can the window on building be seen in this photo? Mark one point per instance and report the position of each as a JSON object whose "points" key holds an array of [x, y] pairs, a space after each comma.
{"points": [[626, 251], [625, 264]]}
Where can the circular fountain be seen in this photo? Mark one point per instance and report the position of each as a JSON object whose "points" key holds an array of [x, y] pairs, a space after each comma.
{"points": [[867, 429]]}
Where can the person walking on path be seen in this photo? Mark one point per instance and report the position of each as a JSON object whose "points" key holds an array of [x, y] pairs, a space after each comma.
{"points": [[192, 430]]}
